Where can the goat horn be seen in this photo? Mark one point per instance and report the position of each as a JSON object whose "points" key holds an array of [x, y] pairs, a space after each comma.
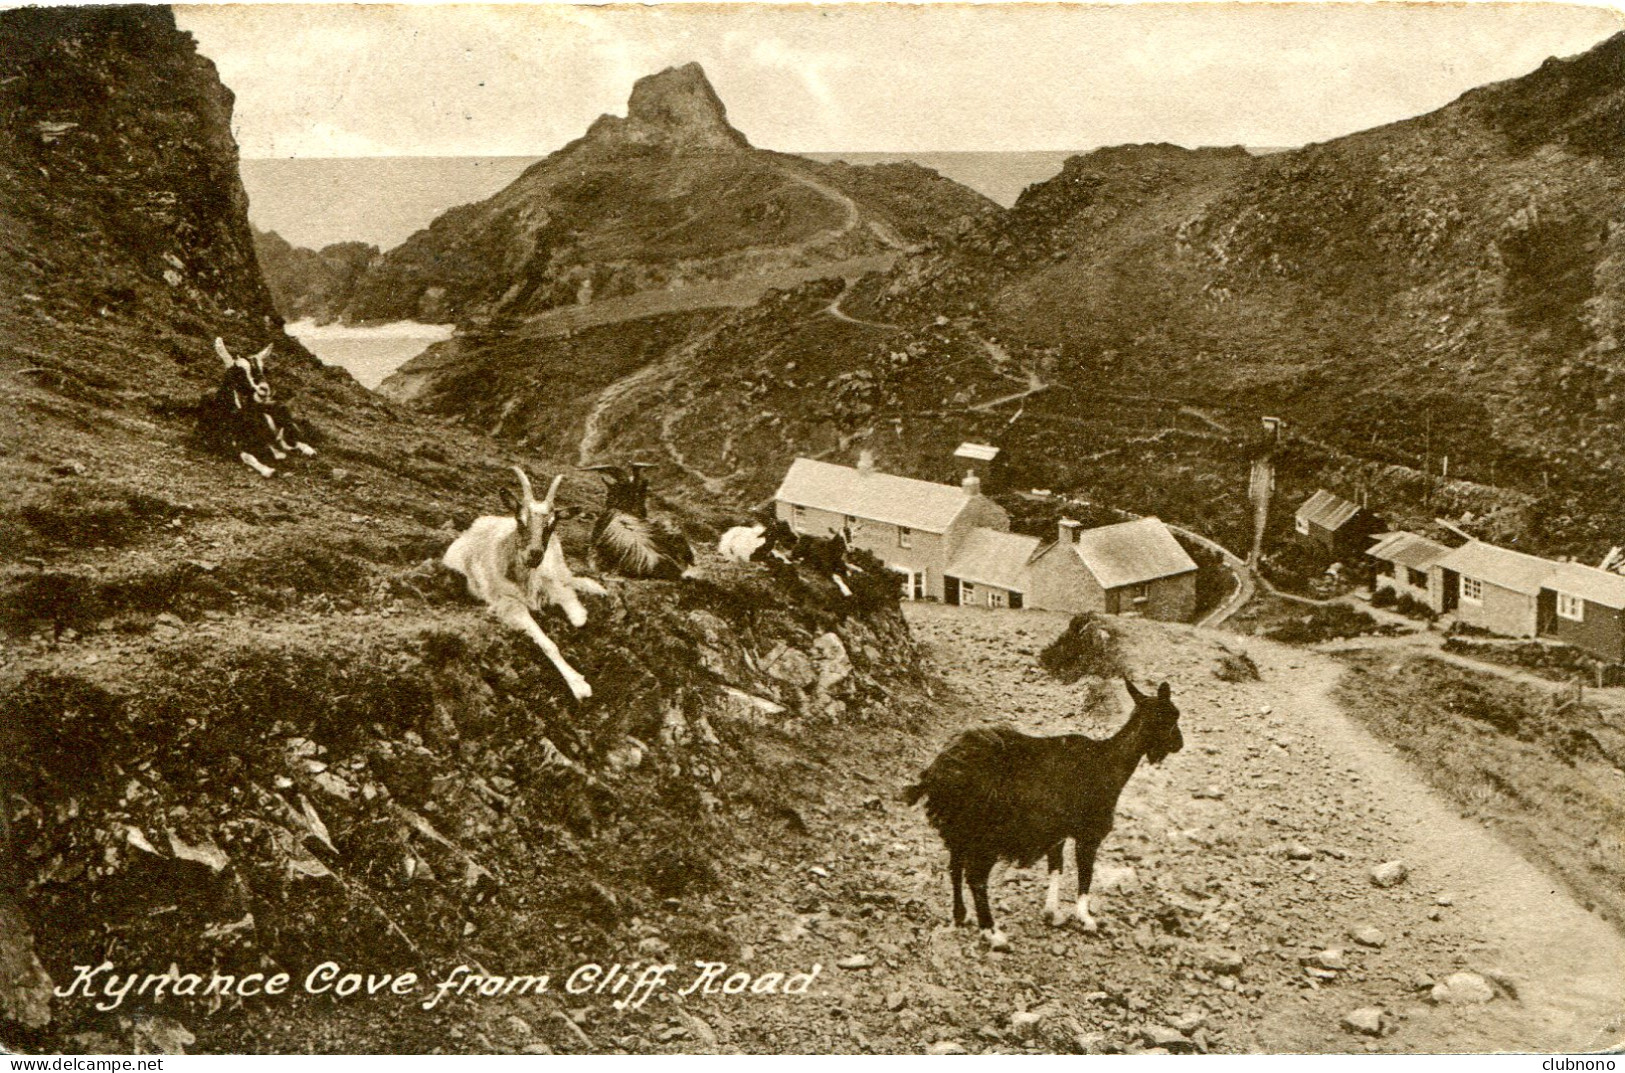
{"points": [[262, 355], [524, 484], [604, 468], [552, 491], [225, 355]]}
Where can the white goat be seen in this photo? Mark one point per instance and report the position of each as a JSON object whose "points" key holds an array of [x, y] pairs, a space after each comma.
{"points": [[741, 542], [515, 564]]}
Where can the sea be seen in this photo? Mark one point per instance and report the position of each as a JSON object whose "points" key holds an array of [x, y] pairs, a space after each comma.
{"points": [[370, 353]]}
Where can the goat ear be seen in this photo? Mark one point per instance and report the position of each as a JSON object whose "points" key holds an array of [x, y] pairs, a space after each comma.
{"points": [[511, 503], [259, 359], [566, 513], [1163, 692], [1132, 691], [225, 355]]}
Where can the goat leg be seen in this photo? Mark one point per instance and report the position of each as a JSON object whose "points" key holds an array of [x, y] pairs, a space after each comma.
{"points": [[1084, 849], [996, 939], [511, 611], [1053, 912], [588, 586], [956, 873], [259, 467]]}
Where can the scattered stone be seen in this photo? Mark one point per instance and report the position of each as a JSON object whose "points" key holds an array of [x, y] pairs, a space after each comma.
{"points": [[1368, 936], [896, 1001], [1170, 1040], [653, 946], [1188, 1022], [519, 1026], [1445, 899], [856, 961], [1331, 958], [1024, 1024], [1390, 873], [536, 1048], [1222, 961], [1299, 852], [1422, 982], [1208, 793], [1366, 1021], [1463, 989], [946, 1046]]}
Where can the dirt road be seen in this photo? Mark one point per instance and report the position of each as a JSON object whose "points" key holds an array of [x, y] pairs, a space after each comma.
{"points": [[1238, 859]]}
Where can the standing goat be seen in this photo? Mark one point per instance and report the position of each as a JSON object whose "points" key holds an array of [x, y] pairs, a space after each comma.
{"points": [[625, 541], [997, 794], [515, 564]]}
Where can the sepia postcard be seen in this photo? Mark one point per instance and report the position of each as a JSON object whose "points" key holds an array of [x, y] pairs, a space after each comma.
{"points": [[822, 529]]}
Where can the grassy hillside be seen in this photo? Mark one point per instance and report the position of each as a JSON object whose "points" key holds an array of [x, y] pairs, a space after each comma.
{"points": [[253, 724]]}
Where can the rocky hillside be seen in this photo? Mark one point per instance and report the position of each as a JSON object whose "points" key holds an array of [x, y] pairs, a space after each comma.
{"points": [[1446, 286], [307, 284], [667, 197], [252, 724]]}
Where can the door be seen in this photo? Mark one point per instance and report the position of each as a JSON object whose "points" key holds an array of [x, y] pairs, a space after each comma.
{"points": [[1015, 601], [1452, 590], [950, 590]]}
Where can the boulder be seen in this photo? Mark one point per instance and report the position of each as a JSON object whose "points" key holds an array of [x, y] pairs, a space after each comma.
{"points": [[1390, 873]]}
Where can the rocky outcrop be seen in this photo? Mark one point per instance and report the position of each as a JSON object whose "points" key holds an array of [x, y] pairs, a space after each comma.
{"points": [[669, 197], [118, 173], [675, 109], [305, 283]]}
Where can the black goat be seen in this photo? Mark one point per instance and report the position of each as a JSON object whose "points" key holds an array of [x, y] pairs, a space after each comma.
{"points": [[240, 418], [997, 794], [826, 555], [625, 540]]}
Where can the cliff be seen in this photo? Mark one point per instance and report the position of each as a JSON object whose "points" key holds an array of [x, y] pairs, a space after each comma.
{"points": [[252, 725]]}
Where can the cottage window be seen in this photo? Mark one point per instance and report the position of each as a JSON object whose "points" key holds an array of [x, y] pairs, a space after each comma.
{"points": [[1472, 590], [798, 519], [995, 598], [967, 594], [1303, 526], [905, 537], [1418, 578], [1139, 593], [1571, 607]]}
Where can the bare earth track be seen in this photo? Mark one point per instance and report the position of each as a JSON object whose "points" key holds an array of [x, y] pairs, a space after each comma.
{"points": [[1203, 861]]}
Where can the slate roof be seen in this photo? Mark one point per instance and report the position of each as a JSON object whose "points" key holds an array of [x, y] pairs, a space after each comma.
{"points": [[1131, 553], [876, 497], [1502, 567], [1590, 583], [1330, 512], [1408, 549], [989, 557]]}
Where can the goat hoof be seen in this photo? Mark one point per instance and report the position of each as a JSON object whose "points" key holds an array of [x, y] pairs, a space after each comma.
{"points": [[1089, 925], [1057, 918], [997, 941]]}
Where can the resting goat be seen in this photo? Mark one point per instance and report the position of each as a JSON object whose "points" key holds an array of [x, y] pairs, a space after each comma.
{"points": [[997, 794], [241, 418], [757, 543], [625, 541], [515, 565], [827, 555]]}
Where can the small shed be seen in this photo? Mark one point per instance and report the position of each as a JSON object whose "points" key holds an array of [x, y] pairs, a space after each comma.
{"points": [[1130, 568], [977, 458], [1340, 527], [1585, 607], [1405, 565]]}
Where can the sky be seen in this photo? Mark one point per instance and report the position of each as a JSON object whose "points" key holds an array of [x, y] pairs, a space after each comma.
{"points": [[521, 80]]}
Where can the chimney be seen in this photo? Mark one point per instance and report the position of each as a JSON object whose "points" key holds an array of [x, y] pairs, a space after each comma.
{"points": [[866, 462], [1069, 531], [972, 484]]}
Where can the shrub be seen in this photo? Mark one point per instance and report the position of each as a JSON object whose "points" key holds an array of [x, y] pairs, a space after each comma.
{"points": [[1236, 667], [1384, 597], [1327, 622], [1086, 647], [1411, 607]]}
